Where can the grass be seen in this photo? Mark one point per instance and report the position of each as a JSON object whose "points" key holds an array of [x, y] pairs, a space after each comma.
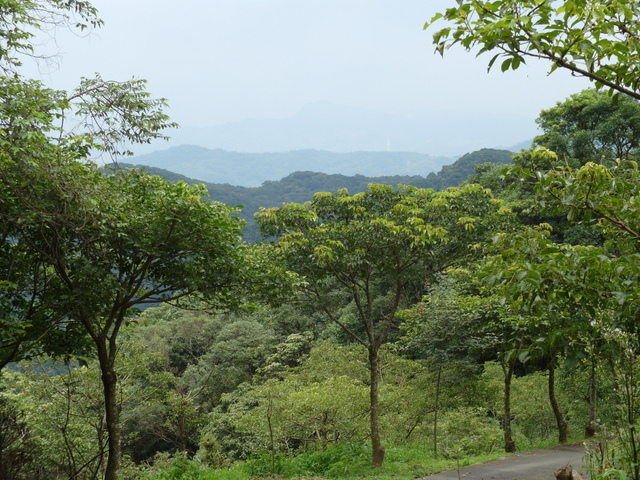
{"points": [[340, 462]]}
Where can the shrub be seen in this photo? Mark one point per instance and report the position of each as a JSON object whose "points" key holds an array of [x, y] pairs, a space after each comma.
{"points": [[469, 431]]}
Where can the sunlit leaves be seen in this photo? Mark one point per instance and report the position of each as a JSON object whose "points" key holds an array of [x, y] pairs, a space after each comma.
{"points": [[594, 192], [590, 38], [383, 238], [591, 126], [117, 112]]}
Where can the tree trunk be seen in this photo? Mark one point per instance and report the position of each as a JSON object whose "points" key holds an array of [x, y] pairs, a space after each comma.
{"points": [[590, 428], [112, 412], [563, 428], [435, 413], [509, 443], [376, 444]]}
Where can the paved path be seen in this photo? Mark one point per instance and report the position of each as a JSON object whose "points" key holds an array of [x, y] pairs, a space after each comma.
{"points": [[532, 465]]}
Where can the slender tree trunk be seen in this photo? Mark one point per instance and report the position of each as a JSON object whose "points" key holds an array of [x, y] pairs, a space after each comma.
{"points": [[509, 443], [563, 428], [630, 389], [435, 412], [376, 444], [112, 413], [590, 428]]}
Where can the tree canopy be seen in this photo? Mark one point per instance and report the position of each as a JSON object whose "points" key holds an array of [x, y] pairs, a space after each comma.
{"points": [[591, 126], [594, 39], [382, 247]]}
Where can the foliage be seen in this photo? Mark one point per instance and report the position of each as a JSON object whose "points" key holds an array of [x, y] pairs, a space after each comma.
{"points": [[407, 460], [591, 126], [180, 467], [374, 240], [596, 193], [62, 412], [323, 402], [19, 450], [205, 356], [533, 417], [468, 431], [456, 173], [129, 239], [380, 246], [590, 38], [449, 324], [234, 356], [336, 461], [22, 20], [311, 406], [292, 352]]}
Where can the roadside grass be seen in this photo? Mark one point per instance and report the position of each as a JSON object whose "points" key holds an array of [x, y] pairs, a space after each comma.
{"points": [[340, 462]]}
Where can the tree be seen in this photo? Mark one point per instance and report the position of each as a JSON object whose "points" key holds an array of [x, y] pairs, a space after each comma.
{"points": [[574, 293], [597, 40], [21, 20], [134, 239], [91, 247], [80, 249], [591, 126], [590, 38], [459, 322], [44, 172], [381, 246], [325, 401]]}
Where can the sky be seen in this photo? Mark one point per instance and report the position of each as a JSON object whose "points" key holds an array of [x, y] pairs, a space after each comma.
{"points": [[221, 61]]}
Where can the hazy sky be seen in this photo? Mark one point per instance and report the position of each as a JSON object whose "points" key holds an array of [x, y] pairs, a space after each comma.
{"points": [[221, 61]]}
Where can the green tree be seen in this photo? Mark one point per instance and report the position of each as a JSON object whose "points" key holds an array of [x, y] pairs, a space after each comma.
{"points": [[81, 250], [591, 126], [577, 294], [44, 172], [22, 20], [459, 324], [325, 401], [233, 357], [135, 240], [590, 38], [380, 246]]}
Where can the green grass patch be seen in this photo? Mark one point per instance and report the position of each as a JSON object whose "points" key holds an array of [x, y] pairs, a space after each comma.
{"points": [[337, 462]]}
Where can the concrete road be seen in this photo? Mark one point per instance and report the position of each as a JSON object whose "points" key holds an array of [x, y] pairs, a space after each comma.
{"points": [[532, 465]]}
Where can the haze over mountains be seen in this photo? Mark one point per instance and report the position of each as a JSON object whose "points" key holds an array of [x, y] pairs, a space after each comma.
{"points": [[252, 169], [340, 128], [333, 139]]}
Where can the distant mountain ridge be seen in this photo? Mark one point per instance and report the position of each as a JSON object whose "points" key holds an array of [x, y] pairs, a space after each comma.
{"points": [[300, 186], [252, 169], [331, 127]]}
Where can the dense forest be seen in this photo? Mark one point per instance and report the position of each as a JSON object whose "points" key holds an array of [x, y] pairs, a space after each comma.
{"points": [[251, 169], [300, 186], [383, 328]]}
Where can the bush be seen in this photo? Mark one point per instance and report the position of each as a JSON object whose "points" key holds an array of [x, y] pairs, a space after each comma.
{"points": [[337, 460], [469, 431], [178, 467]]}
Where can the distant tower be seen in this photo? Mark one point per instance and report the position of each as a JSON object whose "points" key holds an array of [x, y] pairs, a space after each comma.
{"points": [[388, 144]]}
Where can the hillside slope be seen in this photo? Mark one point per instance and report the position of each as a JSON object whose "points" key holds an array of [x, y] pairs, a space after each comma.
{"points": [[301, 185], [251, 169]]}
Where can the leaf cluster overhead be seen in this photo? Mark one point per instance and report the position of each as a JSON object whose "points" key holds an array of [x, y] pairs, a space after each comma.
{"points": [[591, 38]]}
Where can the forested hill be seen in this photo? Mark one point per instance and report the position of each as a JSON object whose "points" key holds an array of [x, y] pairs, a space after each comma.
{"points": [[300, 186], [459, 171], [251, 169]]}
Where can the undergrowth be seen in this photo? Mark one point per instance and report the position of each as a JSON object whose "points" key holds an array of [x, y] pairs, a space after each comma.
{"points": [[341, 461]]}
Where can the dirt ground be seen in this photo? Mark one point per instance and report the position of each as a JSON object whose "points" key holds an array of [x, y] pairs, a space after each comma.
{"points": [[532, 465]]}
